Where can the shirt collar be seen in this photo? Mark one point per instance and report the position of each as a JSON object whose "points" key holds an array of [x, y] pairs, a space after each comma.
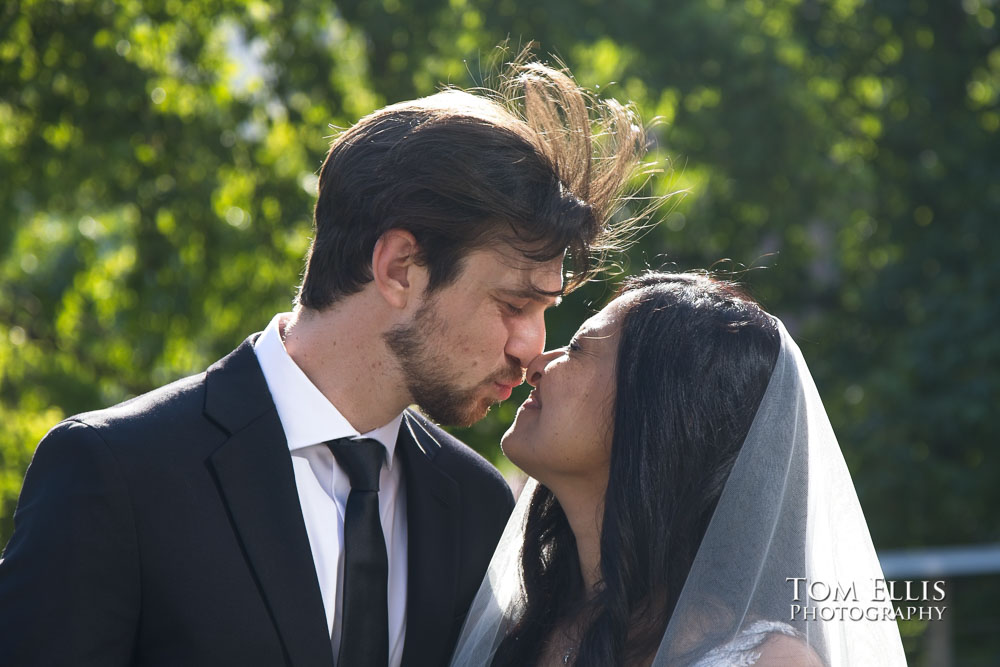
{"points": [[307, 416]]}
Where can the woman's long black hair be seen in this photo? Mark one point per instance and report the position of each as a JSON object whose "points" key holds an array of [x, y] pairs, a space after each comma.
{"points": [[694, 358]]}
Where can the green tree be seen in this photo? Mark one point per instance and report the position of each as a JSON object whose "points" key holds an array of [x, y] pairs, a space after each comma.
{"points": [[159, 158]]}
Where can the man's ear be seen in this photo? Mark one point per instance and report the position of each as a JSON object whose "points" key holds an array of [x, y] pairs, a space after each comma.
{"points": [[394, 268]]}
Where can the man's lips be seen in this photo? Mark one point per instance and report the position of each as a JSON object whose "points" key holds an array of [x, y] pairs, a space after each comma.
{"points": [[505, 385], [504, 390]]}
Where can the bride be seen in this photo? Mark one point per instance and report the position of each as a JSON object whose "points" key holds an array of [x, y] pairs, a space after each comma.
{"points": [[689, 490]]}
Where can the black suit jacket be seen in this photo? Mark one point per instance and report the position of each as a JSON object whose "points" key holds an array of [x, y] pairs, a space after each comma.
{"points": [[167, 531]]}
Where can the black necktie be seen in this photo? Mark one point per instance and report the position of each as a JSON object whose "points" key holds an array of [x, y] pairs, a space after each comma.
{"points": [[364, 637]]}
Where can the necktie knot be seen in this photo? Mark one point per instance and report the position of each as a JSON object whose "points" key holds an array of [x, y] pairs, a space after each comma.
{"points": [[361, 460]]}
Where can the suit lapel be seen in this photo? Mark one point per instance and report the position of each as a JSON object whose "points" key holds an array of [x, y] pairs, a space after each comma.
{"points": [[432, 500], [254, 472]]}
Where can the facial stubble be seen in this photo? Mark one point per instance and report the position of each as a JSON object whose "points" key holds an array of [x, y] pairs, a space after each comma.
{"points": [[426, 375]]}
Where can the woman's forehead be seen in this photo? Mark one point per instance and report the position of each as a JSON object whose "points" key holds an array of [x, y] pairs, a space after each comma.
{"points": [[608, 320]]}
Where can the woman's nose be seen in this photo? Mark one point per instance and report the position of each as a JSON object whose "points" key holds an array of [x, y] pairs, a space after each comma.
{"points": [[536, 369]]}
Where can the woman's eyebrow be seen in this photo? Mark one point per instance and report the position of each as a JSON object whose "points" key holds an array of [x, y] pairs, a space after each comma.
{"points": [[591, 334]]}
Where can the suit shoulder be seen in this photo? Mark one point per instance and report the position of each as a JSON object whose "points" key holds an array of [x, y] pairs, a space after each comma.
{"points": [[70, 435], [71, 463], [162, 405], [153, 427], [463, 463]]}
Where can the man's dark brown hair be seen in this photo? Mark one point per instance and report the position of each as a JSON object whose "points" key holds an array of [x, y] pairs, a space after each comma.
{"points": [[538, 165]]}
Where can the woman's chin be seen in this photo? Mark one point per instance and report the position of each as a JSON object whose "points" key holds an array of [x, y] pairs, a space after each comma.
{"points": [[512, 444], [508, 440]]}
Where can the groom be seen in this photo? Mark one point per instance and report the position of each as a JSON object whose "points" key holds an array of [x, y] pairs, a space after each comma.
{"points": [[286, 507]]}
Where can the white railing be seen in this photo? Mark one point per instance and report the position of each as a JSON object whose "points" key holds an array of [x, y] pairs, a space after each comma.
{"points": [[940, 563], [943, 562]]}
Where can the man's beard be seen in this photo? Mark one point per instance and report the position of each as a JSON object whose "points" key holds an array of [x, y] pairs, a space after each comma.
{"points": [[427, 379]]}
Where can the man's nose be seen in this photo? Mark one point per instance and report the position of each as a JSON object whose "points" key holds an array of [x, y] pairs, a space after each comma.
{"points": [[527, 340], [536, 369]]}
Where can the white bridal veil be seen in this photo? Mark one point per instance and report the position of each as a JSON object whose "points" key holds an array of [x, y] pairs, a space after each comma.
{"points": [[788, 547]]}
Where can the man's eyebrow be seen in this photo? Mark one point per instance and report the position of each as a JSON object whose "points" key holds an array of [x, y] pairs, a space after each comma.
{"points": [[550, 300]]}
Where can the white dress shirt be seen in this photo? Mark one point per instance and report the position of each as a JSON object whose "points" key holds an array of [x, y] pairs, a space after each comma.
{"points": [[309, 420]]}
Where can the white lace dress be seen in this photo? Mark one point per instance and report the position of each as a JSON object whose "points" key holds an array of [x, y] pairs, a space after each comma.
{"points": [[742, 650]]}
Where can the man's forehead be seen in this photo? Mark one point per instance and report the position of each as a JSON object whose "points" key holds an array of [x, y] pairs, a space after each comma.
{"points": [[538, 283], [529, 278]]}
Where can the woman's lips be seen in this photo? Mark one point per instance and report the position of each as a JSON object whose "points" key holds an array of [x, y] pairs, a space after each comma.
{"points": [[533, 402]]}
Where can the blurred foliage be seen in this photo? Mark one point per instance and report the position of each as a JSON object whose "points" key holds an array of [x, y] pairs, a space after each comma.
{"points": [[158, 165]]}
